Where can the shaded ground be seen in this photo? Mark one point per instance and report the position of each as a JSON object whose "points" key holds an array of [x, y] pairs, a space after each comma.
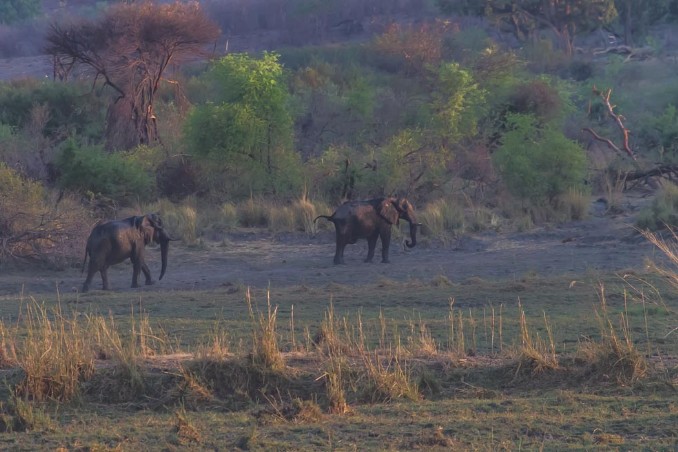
{"points": [[602, 243]]}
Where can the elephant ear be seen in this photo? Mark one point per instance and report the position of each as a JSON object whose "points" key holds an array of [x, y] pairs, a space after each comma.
{"points": [[155, 220], [388, 211], [145, 226]]}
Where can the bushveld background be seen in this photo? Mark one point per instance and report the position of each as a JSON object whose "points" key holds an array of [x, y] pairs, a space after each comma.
{"points": [[538, 310]]}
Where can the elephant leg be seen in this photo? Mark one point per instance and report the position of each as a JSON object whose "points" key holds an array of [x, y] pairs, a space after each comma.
{"points": [[385, 244], [136, 269], [91, 271], [104, 278], [371, 246], [339, 253], [147, 273]]}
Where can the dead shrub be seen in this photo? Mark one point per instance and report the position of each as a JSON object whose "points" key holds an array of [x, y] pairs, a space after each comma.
{"points": [[38, 225], [537, 98]]}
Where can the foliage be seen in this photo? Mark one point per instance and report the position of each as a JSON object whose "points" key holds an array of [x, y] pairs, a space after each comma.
{"points": [[465, 7], [16, 190], [33, 225], [128, 49], [89, 169], [636, 16], [459, 102], [565, 18], [412, 49], [397, 165], [537, 162], [537, 98], [247, 129], [70, 107], [13, 11], [666, 126], [662, 212]]}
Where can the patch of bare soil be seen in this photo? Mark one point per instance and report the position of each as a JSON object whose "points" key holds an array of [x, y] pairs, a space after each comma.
{"points": [[604, 242]]}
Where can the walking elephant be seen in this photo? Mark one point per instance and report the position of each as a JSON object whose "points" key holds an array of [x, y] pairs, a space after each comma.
{"points": [[113, 242], [371, 219]]}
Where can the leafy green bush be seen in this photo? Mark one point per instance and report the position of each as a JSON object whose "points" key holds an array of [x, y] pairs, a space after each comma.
{"points": [[666, 126], [244, 136], [662, 212], [90, 169], [538, 163]]}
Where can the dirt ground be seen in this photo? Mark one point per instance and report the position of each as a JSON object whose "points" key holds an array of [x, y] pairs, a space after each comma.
{"points": [[604, 242]]}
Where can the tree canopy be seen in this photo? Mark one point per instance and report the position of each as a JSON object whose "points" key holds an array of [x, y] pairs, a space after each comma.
{"points": [[12, 11], [129, 50], [565, 18]]}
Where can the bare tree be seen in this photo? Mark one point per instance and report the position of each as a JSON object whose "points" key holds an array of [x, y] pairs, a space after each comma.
{"points": [[129, 50]]}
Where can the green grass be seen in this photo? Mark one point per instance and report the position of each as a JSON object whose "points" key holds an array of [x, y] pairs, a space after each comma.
{"points": [[403, 378]]}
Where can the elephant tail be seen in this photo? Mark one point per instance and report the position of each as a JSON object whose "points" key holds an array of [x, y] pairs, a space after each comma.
{"points": [[329, 217]]}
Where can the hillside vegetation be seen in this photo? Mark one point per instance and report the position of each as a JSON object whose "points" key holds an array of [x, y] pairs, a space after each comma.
{"points": [[508, 326], [480, 125]]}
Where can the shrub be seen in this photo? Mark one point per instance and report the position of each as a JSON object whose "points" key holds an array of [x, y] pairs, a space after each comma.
{"points": [[247, 128], [662, 212], [90, 169], [36, 225], [69, 107], [441, 218], [539, 163], [536, 98]]}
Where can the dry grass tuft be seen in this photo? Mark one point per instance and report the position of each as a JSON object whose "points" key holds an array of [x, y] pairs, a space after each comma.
{"points": [[574, 204], [335, 379], [536, 354], [304, 212], [265, 350], [181, 220], [55, 355], [441, 218], [184, 432], [297, 411], [384, 379], [217, 347], [253, 213], [615, 357], [434, 439], [420, 341]]}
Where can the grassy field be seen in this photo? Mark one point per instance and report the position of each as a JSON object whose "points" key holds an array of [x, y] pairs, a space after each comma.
{"points": [[536, 363]]}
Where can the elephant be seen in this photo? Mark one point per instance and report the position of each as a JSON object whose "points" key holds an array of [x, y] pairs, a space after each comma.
{"points": [[112, 242], [371, 219]]}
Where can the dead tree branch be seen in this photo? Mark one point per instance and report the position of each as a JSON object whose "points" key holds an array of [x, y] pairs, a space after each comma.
{"points": [[618, 119]]}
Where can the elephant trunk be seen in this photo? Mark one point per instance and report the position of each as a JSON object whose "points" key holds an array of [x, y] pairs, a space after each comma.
{"points": [[413, 234], [164, 240]]}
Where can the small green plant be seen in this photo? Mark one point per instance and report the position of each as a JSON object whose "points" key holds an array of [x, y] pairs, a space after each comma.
{"points": [[18, 414]]}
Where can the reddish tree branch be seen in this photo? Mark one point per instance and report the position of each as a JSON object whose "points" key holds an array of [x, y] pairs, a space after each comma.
{"points": [[618, 119]]}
